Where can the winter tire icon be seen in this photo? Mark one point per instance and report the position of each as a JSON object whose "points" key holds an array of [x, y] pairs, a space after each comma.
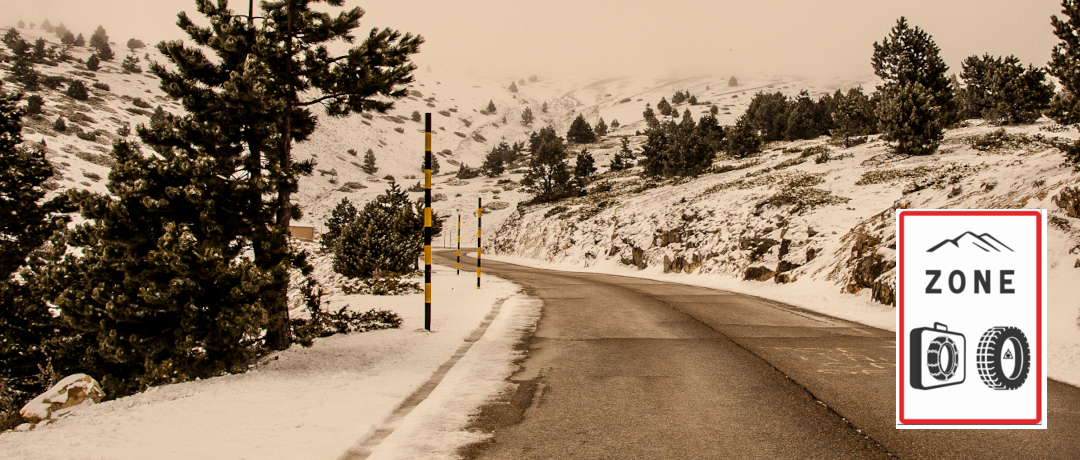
{"points": [[1003, 358]]}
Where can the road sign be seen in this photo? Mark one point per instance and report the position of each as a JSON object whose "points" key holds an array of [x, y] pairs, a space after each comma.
{"points": [[971, 319]]}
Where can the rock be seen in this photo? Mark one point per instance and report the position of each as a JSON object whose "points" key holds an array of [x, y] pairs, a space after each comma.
{"points": [[811, 253], [73, 391], [758, 274]]}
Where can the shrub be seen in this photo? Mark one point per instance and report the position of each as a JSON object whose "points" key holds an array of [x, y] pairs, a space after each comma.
{"points": [[101, 86], [52, 81], [77, 90], [131, 64], [59, 125], [138, 102], [465, 172], [86, 135], [416, 116], [34, 104], [93, 62]]}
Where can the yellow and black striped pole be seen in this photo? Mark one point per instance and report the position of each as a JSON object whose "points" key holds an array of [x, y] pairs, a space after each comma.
{"points": [[479, 227], [459, 243], [427, 222]]}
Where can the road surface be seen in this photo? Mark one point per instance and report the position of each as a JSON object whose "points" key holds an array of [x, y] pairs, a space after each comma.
{"points": [[623, 367]]}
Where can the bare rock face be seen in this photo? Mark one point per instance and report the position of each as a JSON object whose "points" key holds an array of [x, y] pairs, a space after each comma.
{"points": [[758, 274], [73, 391]]}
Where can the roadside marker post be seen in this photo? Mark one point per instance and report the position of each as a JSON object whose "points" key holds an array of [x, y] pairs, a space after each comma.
{"points": [[427, 222], [479, 227], [971, 318], [459, 244]]}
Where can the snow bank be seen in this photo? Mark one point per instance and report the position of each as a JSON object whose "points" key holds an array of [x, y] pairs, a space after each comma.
{"points": [[312, 403]]}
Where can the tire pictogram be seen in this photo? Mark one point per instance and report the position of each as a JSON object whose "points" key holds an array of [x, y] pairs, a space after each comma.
{"points": [[941, 358], [1003, 358]]}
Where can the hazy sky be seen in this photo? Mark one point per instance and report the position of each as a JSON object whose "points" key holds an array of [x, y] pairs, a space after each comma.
{"points": [[608, 37]]}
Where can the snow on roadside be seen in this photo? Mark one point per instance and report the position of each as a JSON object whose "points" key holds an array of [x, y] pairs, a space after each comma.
{"points": [[312, 403], [1063, 349]]}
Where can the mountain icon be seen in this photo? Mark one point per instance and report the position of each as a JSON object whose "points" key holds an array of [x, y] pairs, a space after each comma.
{"points": [[986, 242]]}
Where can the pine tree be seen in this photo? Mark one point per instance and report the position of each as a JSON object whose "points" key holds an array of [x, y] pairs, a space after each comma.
{"points": [[340, 218], [678, 98], [548, 177], [416, 116], [692, 100], [742, 139], [11, 37], [714, 109], [28, 331], [619, 160], [544, 107], [434, 165], [490, 107], [495, 161], [387, 235], [135, 44], [131, 64], [93, 63], [59, 125], [534, 78], [584, 168], [34, 103], [1065, 64], [100, 42], [46, 26], [768, 113], [266, 79], [68, 39], [527, 116], [685, 148], [1001, 91], [732, 81], [910, 56], [910, 119], [601, 128], [650, 117], [369, 163], [580, 132], [80, 40], [513, 87], [801, 123], [854, 116], [77, 90], [614, 123], [664, 107]]}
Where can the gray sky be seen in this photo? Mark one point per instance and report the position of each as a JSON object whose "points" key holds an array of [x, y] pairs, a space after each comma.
{"points": [[608, 37]]}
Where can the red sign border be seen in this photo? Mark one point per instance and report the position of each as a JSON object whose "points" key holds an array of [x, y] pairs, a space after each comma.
{"points": [[1038, 317]]}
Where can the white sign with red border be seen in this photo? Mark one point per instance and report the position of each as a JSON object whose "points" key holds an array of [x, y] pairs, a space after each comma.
{"points": [[971, 319]]}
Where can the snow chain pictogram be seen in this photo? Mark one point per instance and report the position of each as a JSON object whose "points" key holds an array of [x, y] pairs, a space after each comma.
{"points": [[992, 353], [938, 346]]}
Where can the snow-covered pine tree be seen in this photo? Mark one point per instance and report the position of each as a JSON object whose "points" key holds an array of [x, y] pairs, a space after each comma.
{"points": [[580, 132], [601, 128], [28, 331], [369, 162], [1065, 64], [264, 79], [387, 235], [342, 215], [910, 119]]}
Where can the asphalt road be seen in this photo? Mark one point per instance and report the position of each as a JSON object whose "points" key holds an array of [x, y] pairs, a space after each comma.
{"points": [[623, 367]]}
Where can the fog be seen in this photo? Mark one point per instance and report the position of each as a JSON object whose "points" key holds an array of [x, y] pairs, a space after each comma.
{"points": [[612, 38]]}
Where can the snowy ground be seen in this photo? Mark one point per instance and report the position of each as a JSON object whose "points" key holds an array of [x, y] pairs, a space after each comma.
{"points": [[319, 402]]}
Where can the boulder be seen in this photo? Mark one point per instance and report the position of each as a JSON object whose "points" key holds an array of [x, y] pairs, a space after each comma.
{"points": [[73, 391]]}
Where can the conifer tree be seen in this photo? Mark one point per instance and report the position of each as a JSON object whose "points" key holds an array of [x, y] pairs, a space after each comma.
{"points": [[131, 64], [614, 123], [650, 117], [601, 128], [910, 119], [714, 109], [1065, 64], [768, 113], [46, 26], [548, 177], [619, 160], [266, 76], [732, 81], [742, 139], [387, 235], [490, 107], [22, 25], [434, 165], [11, 37], [77, 90], [801, 122], [527, 116], [678, 98], [854, 116], [60, 30], [369, 162], [692, 100], [910, 56], [416, 116], [68, 39], [100, 42], [513, 87], [93, 63], [685, 148], [342, 215], [27, 220], [544, 107], [80, 40], [59, 125], [584, 168], [664, 107], [580, 132], [495, 160], [1001, 91], [135, 44]]}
